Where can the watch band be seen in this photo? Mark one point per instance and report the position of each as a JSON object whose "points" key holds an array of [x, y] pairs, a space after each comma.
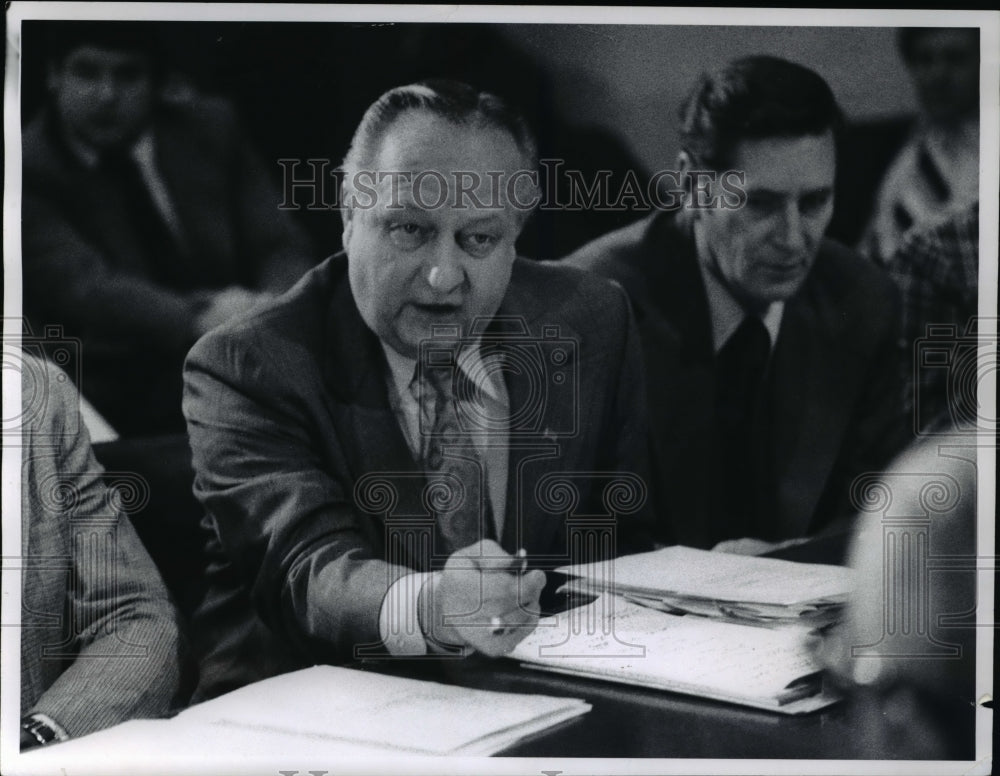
{"points": [[43, 729]]}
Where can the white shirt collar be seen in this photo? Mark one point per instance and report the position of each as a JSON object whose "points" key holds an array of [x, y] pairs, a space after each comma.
{"points": [[142, 150]]}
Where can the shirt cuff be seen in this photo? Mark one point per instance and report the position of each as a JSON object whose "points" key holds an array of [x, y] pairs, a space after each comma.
{"points": [[398, 623]]}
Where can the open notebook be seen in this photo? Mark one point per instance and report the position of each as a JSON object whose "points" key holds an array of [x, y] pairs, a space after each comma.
{"points": [[325, 712], [617, 640]]}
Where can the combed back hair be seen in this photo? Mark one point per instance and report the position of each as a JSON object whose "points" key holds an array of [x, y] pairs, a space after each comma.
{"points": [[453, 101], [753, 98]]}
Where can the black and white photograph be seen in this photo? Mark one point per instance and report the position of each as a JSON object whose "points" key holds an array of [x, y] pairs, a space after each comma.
{"points": [[498, 389]]}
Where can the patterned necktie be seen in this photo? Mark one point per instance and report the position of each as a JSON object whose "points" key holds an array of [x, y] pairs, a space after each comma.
{"points": [[455, 469], [740, 370]]}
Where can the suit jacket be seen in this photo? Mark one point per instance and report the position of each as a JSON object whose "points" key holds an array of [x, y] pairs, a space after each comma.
{"points": [[90, 268], [833, 388], [303, 468], [100, 641]]}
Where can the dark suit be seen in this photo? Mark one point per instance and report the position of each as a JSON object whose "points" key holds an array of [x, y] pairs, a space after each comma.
{"points": [[289, 418], [90, 266], [832, 393], [100, 641]]}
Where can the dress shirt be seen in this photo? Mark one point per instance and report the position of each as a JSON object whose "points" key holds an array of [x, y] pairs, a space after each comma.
{"points": [[726, 313], [398, 615], [144, 154]]}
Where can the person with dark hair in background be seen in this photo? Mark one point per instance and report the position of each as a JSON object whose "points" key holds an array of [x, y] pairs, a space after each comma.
{"points": [[146, 222], [100, 639], [936, 170], [374, 450], [770, 352]]}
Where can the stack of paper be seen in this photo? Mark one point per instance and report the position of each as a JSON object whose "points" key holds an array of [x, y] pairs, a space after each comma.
{"points": [[615, 640], [387, 712], [756, 590], [317, 714]]}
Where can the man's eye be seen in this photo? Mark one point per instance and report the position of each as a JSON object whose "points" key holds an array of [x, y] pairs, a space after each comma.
{"points": [[85, 71], [408, 236], [811, 204], [478, 243], [762, 203]]}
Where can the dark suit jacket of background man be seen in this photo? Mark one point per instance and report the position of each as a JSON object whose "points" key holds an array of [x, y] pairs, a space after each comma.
{"points": [[288, 411], [100, 640], [834, 394], [87, 267]]}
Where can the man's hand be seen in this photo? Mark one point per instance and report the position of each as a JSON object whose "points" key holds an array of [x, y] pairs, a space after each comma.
{"points": [[226, 304], [481, 600]]}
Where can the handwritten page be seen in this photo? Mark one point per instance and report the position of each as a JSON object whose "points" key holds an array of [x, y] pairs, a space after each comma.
{"points": [[615, 639], [718, 576]]}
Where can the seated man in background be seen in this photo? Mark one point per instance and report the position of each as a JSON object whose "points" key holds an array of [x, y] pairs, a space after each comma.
{"points": [[145, 222], [375, 449], [937, 169], [100, 641], [770, 353]]}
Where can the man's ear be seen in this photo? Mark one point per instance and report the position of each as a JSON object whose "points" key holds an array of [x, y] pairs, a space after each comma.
{"points": [[684, 163], [348, 227], [346, 214]]}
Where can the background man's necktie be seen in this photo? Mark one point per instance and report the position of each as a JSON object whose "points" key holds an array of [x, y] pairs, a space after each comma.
{"points": [[166, 250], [450, 455], [741, 366]]}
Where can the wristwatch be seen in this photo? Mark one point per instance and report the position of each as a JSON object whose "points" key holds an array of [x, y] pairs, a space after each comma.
{"points": [[41, 729]]}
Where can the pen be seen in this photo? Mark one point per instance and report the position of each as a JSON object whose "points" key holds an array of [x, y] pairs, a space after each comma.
{"points": [[518, 568]]}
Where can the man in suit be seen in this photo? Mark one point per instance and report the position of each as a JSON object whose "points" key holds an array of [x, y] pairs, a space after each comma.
{"points": [[769, 351], [146, 221], [100, 641], [376, 448]]}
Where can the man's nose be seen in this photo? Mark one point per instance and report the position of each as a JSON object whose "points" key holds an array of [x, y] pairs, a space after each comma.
{"points": [[792, 229], [445, 270], [107, 88]]}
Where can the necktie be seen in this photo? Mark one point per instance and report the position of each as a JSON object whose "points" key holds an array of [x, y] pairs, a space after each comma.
{"points": [[740, 375], [147, 221], [455, 469]]}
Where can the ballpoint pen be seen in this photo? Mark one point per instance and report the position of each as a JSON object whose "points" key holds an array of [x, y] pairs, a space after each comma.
{"points": [[497, 627]]}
